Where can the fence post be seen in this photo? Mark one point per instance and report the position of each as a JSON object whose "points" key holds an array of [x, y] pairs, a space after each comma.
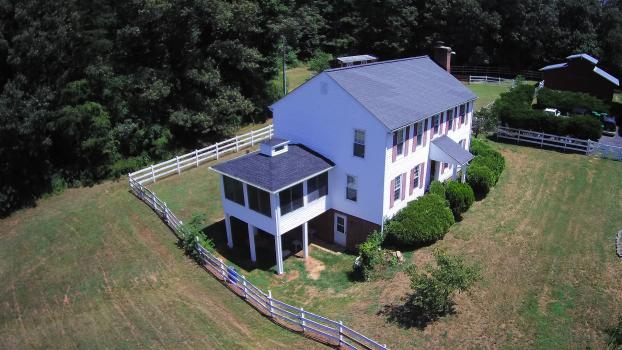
{"points": [[340, 333], [589, 146], [237, 145], [222, 269], [177, 160], [270, 308], [152, 174], [302, 319], [252, 139], [196, 155], [216, 151], [244, 287], [166, 212]]}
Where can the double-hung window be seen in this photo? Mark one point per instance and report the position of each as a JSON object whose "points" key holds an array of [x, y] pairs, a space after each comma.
{"points": [[397, 189], [351, 188], [419, 131], [359, 143], [399, 143], [290, 199], [462, 114], [234, 190], [258, 200], [317, 187], [416, 176], [450, 119], [436, 123]]}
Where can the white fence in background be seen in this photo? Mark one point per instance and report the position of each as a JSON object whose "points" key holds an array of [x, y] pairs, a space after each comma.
{"points": [[490, 80], [317, 327], [196, 157], [566, 143]]}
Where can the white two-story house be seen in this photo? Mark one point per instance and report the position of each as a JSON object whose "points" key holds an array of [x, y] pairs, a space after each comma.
{"points": [[352, 147]]}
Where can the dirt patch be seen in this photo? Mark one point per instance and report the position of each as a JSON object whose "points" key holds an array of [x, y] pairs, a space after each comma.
{"points": [[314, 267], [294, 274], [421, 258]]}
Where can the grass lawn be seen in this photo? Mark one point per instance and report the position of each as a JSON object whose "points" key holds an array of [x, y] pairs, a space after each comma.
{"points": [[543, 237], [487, 93], [95, 268]]}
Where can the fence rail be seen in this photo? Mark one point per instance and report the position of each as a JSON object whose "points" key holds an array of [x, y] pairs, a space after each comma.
{"points": [[195, 158], [462, 72], [473, 79], [317, 327], [566, 143]]}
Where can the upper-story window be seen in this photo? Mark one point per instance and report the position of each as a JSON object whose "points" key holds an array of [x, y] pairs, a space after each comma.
{"points": [[397, 189], [419, 131], [234, 190], [259, 200], [359, 143], [317, 187], [436, 123], [290, 198], [462, 114], [399, 141], [416, 176], [450, 119], [351, 188]]}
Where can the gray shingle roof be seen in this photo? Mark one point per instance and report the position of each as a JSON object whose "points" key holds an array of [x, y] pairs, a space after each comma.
{"points": [[278, 172], [607, 76], [401, 92], [452, 149]]}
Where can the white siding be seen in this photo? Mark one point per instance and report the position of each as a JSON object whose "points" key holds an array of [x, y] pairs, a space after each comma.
{"points": [[322, 116], [247, 215], [299, 216], [404, 164]]}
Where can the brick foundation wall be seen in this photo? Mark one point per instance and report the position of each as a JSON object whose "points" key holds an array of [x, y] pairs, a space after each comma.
{"points": [[357, 228]]}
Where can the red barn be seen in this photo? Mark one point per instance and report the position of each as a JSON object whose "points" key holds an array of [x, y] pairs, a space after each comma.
{"points": [[580, 73]]}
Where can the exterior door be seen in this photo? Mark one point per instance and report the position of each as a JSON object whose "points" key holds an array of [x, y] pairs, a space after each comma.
{"points": [[433, 170], [341, 227]]}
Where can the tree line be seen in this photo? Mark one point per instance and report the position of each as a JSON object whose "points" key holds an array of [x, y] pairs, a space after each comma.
{"points": [[93, 89]]}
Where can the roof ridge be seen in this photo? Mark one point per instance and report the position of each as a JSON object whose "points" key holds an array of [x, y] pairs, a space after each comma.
{"points": [[375, 63]]}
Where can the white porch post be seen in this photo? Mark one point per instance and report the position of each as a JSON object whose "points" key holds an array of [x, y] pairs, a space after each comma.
{"points": [[251, 241], [454, 172], [464, 171], [279, 254], [305, 240], [228, 227]]}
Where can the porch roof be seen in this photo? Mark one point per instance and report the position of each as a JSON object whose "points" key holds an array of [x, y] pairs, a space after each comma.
{"points": [[277, 172], [446, 150]]}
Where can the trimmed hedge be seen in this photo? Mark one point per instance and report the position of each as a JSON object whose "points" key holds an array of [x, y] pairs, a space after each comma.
{"points": [[460, 197], [424, 220], [567, 101], [438, 188], [514, 109], [481, 179], [493, 160]]}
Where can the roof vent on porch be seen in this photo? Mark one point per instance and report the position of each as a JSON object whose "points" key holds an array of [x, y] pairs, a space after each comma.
{"points": [[273, 147]]}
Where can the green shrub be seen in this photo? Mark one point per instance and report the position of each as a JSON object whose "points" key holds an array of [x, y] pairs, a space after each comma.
{"points": [[192, 233], [371, 255], [478, 146], [438, 188], [320, 61], [614, 335], [434, 287], [480, 178], [424, 220], [494, 162], [566, 101], [460, 197]]}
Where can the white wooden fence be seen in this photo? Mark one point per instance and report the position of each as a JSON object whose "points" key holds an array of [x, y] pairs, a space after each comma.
{"points": [[317, 327], [196, 157], [490, 80], [566, 143], [619, 244]]}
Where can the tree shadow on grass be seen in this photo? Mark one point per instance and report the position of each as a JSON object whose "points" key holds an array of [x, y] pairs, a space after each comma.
{"points": [[408, 316]]}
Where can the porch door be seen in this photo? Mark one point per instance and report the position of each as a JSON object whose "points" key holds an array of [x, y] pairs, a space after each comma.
{"points": [[341, 223]]}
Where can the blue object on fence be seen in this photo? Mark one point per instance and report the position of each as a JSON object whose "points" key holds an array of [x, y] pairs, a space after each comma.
{"points": [[232, 275]]}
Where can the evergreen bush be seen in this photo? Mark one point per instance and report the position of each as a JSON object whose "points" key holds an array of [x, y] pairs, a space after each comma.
{"points": [[460, 197]]}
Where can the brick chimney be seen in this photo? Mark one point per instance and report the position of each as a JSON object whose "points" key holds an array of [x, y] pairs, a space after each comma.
{"points": [[441, 54]]}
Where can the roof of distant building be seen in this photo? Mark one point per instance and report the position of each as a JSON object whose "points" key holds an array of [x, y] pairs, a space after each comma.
{"points": [[584, 56]]}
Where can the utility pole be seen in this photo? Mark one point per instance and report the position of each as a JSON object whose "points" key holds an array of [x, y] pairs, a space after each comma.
{"points": [[284, 68]]}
